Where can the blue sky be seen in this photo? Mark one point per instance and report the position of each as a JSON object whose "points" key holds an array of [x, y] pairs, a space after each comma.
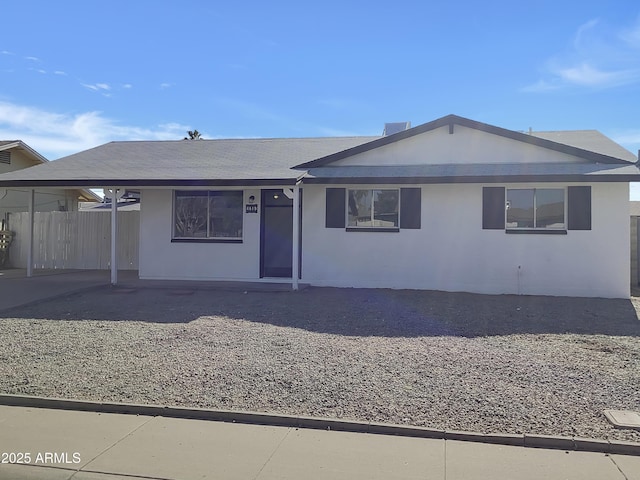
{"points": [[76, 74]]}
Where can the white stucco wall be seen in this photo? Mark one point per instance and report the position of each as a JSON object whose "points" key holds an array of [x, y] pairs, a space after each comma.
{"points": [[464, 146], [452, 252], [161, 259]]}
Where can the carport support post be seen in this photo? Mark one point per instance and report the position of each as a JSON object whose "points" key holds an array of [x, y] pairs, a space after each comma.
{"points": [[295, 265], [32, 194], [114, 236]]}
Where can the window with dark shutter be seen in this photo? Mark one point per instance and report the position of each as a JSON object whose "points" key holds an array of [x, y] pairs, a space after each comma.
{"points": [[536, 210], [373, 210], [410, 207], [335, 208], [493, 205], [579, 208]]}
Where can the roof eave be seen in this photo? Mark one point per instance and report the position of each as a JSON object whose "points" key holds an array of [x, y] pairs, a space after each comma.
{"points": [[577, 178], [89, 196], [107, 183], [31, 151]]}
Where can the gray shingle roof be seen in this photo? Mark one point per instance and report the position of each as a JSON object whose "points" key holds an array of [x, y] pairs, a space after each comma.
{"points": [[186, 160], [591, 140], [283, 160]]}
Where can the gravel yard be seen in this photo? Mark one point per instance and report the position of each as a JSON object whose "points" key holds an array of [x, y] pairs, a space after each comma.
{"points": [[501, 364]]}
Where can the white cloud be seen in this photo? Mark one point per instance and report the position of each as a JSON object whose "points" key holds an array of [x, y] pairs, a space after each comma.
{"points": [[165, 85], [58, 134], [60, 72], [599, 56], [542, 86], [97, 87], [102, 88], [582, 34], [631, 36], [6, 52], [33, 59], [589, 76]]}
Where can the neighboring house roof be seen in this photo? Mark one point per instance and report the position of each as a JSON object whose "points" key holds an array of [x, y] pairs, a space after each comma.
{"points": [[86, 194], [20, 145], [284, 161]]}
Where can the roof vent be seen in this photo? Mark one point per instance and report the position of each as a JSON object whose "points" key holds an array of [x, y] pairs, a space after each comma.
{"points": [[395, 127]]}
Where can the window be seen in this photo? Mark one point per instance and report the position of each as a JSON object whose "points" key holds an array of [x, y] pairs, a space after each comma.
{"points": [[527, 206], [373, 208], [213, 215], [535, 208]]}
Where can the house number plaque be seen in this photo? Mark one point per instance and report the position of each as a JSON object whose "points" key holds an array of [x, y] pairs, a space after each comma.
{"points": [[252, 208]]}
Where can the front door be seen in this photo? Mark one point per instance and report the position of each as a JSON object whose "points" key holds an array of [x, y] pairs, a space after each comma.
{"points": [[276, 234]]}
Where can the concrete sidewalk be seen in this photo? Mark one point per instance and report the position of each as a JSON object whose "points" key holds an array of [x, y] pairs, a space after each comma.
{"points": [[64, 445]]}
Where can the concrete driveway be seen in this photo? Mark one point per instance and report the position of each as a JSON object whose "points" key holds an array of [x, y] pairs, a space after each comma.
{"points": [[16, 289]]}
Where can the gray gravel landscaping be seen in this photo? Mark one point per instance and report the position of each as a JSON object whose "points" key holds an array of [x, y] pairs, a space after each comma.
{"points": [[495, 364]]}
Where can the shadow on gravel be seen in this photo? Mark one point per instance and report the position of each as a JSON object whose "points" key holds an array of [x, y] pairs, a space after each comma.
{"points": [[351, 312]]}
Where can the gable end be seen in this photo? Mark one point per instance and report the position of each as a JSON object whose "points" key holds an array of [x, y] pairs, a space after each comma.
{"points": [[450, 121]]}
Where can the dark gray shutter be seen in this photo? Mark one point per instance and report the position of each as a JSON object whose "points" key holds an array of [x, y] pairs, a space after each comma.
{"points": [[493, 208], [579, 208], [335, 214], [410, 207]]}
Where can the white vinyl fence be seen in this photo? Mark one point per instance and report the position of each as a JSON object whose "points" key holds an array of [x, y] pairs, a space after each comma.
{"points": [[75, 240]]}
